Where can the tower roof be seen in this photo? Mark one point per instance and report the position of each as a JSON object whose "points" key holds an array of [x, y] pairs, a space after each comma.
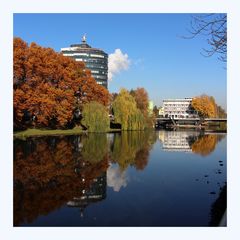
{"points": [[83, 44]]}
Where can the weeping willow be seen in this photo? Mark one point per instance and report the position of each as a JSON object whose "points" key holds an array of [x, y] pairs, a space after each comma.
{"points": [[126, 112], [95, 117]]}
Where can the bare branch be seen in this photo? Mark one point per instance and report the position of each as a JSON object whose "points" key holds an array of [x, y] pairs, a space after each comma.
{"points": [[214, 27]]}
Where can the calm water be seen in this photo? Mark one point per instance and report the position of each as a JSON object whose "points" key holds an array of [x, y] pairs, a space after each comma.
{"points": [[162, 178]]}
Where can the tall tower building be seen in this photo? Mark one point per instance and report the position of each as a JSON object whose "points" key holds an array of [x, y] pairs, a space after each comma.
{"points": [[96, 60]]}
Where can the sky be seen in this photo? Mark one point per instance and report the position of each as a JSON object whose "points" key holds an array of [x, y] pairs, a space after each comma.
{"points": [[153, 52]]}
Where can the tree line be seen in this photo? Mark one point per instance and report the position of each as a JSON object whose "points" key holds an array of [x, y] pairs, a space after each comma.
{"points": [[52, 91]]}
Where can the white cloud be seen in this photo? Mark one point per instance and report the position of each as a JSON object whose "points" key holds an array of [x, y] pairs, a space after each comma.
{"points": [[117, 62], [116, 178]]}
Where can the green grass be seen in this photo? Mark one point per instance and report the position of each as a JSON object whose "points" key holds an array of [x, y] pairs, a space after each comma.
{"points": [[45, 132]]}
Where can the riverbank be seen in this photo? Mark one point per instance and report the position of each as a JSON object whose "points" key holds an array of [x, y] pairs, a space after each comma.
{"points": [[47, 132]]}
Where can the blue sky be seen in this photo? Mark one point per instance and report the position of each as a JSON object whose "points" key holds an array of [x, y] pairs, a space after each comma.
{"points": [[162, 62]]}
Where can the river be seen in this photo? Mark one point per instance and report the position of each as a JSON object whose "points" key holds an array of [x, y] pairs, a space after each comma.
{"points": [[136, 178]]}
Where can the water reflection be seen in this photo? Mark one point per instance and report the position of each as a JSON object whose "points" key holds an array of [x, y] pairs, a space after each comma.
{"points": [[206, 144], [116, 178], [189, 141], [50, 172], [132, 149], [75, 173], [92, 194]]}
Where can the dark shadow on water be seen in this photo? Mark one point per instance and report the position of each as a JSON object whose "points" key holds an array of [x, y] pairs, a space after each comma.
{"points": [[219, 207]]}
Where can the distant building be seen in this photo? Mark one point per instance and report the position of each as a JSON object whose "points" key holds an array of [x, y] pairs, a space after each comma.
{"points": [[96, 60], [179, 108]]}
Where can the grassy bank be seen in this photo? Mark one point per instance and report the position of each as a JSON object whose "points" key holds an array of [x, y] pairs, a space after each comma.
{"points": [[46, 132]]}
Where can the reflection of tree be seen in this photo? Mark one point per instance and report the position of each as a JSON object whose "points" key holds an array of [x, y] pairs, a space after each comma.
{"points": [[48, 172], [42, 160], [205, 144], [141, 159], [132, 148], [94, 147]]}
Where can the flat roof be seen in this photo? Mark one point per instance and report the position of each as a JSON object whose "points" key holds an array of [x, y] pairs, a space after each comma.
{"points": [[177, 99]]}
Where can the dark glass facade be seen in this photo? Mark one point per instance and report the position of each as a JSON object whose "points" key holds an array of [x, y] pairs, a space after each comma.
{"points": [[95, 60]]}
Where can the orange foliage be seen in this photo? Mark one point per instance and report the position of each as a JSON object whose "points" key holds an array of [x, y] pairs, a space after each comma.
{"points": [[45, 84], [48, 173], [205, 106], [205, 145], [141, 97]]}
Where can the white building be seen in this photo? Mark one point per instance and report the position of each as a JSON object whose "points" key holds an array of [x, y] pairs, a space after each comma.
{"points": [[179, 108]]}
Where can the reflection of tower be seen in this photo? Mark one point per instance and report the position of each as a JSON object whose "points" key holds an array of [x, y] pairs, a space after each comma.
{"points": [[77, 148], [95, 193], [177, 140], [77, 144]]}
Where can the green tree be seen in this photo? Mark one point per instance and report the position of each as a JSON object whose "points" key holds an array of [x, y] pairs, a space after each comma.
{"points": [[126, 112], [95, 117]]}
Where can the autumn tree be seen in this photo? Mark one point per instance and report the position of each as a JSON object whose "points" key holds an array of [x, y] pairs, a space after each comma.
{"points": [[95, 117], [142, 100], [141, 97], [46, 84], [205, 106], [126, 112]]}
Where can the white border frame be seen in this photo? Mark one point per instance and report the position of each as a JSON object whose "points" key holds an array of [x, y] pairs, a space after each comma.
{"points": [[118, 6]]}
